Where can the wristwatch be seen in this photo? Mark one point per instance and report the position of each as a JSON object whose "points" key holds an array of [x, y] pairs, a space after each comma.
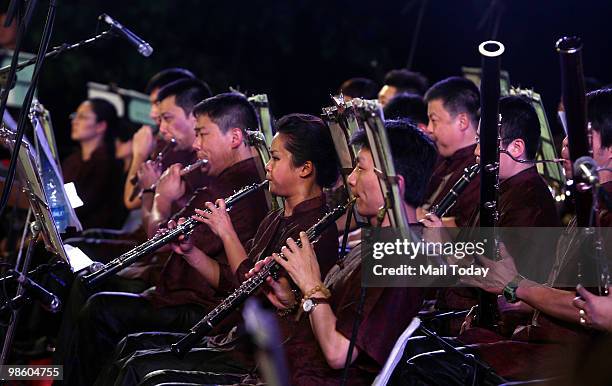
{"points": [[310, 304], [510, 289]]}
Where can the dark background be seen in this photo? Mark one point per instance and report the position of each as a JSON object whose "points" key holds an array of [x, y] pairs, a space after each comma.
{"points": [[299, 51]]}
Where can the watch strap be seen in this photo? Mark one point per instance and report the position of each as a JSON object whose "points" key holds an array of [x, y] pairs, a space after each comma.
{"points": [[509, 291]]}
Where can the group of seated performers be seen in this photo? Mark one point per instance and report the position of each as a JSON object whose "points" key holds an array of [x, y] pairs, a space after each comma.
{"points": [[528, 320]]}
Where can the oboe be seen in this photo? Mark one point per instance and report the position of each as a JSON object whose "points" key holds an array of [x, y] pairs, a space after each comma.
{"points": [[184, 171], [159, 240], [248, 287], [449, 200], [159, 157]]}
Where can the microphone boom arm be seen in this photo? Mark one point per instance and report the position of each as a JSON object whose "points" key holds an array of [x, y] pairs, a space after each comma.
{"points": [[55, 52]]}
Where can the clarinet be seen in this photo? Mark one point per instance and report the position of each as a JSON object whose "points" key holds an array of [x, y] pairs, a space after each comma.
{"points": [[449, 200], [94, 279], [247, 288]]}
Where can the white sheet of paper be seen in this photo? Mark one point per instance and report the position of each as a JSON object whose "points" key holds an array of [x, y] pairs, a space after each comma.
{"points": [[78, 259], [73, 197], [397, 353]]}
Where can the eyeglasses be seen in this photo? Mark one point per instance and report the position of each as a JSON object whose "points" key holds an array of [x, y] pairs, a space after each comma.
{"points": [[80, 117]]}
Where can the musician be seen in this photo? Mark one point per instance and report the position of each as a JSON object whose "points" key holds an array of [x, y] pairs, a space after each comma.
{"points": [[400, 81], [387, 310], [176, 103], [182, 295], [452, 107], [557, 302], [144, 142], [180, 97], [144, 273], [93, 168], [545, 347], [303, 161]]}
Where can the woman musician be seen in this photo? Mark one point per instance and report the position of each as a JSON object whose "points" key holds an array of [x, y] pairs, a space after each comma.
{"points": [[316, 345], [303, 161]]}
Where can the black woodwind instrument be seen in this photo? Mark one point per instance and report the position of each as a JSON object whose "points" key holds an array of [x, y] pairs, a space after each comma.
{"points": [[248, 287], [449, 200], [186, 170], [595, 268], [159, 240], [489, 162], [158, 160], [575, 105]]}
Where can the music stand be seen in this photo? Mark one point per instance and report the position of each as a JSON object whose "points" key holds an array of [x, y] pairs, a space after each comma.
{"points": [[28, 176], [43, 224]]}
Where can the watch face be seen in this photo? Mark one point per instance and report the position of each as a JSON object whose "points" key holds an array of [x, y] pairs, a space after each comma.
{"points": [[308, 305]]}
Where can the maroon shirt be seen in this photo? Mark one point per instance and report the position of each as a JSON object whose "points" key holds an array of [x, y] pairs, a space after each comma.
{"points": [[446, 172], [150, 267], [546, 349], [524, 201], [386, 313], [179, 282], [275, 229], [271, 236], [98, 183]]}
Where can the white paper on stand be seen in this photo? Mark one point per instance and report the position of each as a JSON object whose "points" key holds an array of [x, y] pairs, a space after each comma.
{"points": [[78, 259], [397, 353], [73, 197]]}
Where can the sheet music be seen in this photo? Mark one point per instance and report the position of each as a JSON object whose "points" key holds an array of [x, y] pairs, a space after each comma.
{"points": [[396, 354]]}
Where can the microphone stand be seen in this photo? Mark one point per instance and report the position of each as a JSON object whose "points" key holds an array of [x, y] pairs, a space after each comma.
{"points": [[22, 30], [593, 232], [477, 370], [35, 229], [44, 43], [55, 52]]}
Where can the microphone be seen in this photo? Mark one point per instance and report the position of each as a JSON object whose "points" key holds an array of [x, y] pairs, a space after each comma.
{"points": [[48, 300], [586, 168], [143, 47]]}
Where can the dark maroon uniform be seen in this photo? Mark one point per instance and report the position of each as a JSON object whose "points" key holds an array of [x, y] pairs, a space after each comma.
{"points": [[446, 172], [386, 313], [182, 284], [98, 183]]}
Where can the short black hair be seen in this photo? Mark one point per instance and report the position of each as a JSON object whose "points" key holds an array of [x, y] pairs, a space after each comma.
{"points": [[414, 155], [166, 76], [599, 113], [406, 105], [407, 81], [458, 95], [309, 139], [188, 93], [360, 88], [229, 110], [520, 120]]}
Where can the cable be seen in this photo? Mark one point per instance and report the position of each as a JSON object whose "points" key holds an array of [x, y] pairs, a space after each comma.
{"points": [[526, 161]]}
